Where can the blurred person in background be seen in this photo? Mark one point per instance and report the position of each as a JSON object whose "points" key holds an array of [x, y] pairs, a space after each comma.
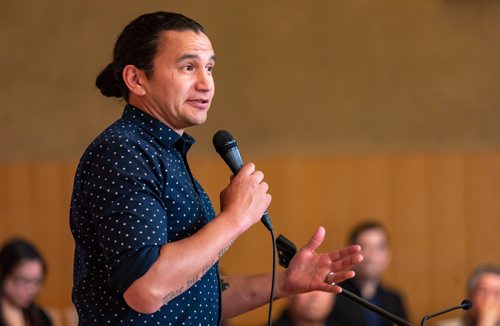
{"points": [[375, 247], [483, 289], [307, 309], [22, 271]]}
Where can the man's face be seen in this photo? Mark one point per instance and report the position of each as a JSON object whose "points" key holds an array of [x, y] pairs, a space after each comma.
{"points": [[180, 89], [375, 250], [486, 293], [312, 306]]}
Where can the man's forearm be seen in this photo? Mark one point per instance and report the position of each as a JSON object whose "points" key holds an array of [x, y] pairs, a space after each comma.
{"points": [[244, 293], [180, 265]]}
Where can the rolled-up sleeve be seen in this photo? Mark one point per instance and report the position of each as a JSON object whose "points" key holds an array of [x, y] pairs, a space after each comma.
{"points": [[124, 190]]}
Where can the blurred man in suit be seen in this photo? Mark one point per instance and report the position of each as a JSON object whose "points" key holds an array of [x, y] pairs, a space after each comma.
{"points": [[375, 246]]}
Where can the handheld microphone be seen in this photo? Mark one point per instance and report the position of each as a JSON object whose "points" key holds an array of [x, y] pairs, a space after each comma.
{"points": [[226, 146], [465, 305]]}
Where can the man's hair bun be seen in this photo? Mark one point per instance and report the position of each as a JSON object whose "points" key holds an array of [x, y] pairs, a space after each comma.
{"points": [[107, 83]]}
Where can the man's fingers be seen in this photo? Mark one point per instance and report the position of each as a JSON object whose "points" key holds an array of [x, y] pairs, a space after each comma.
{"points": [[265, 186], [315, 240], [258, 175], [344, 252], [336, 279], [340, 277], [247, 169], [346, 263]]}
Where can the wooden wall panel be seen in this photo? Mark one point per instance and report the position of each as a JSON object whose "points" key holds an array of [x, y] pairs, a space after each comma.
{"points": [[442, 210]]}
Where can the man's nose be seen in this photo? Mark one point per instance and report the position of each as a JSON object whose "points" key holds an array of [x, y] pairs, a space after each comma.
{"points": [[204, 81]]}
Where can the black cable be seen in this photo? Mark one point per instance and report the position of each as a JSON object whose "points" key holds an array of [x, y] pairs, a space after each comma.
{"points": [[271, 297]]}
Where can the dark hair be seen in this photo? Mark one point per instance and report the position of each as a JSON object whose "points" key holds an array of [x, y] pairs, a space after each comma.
{"points": [[365, 226], [12, 254], [137, 45]]}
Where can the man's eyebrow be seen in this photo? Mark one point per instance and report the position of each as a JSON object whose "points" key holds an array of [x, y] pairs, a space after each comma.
{"points": [[188, 56]]}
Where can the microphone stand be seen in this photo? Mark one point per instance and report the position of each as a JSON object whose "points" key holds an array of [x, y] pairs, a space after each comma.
{"points": [[465, 305], [367, 304]]}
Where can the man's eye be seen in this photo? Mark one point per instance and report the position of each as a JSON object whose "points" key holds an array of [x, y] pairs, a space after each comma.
{"points": [[210, 68], [189, 68]]}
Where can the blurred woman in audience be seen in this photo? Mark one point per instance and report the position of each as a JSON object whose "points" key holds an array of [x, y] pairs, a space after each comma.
{"points": [[22, 271]]}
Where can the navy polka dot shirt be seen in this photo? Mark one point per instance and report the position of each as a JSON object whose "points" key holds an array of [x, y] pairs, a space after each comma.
{"points": [[134, 192]]}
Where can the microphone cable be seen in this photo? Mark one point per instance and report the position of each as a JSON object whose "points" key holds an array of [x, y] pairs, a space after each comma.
{"points": [[226, 146], [273, 277]]}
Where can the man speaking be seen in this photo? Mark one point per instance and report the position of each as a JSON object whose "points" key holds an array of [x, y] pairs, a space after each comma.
{"points": [[147, 240]]}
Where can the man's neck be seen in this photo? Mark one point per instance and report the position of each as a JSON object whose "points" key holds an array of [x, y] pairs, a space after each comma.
{"points": [[309, 323], [154, 113], [368, 287]]}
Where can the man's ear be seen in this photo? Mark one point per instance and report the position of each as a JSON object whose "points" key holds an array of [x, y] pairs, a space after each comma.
{"points": [[134, 79]]}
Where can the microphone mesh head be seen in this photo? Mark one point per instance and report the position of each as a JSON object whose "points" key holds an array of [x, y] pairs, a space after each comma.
{"points": [[223, 141]]}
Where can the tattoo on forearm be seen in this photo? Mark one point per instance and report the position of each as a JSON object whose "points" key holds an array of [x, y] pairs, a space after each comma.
{"points": [[222, 252], [199, 276], [224, 285], [195, 279], [173, 294]]}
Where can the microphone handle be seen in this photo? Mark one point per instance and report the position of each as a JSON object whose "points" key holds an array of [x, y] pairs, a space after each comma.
{"points": [[235, 163], [367, 304]]}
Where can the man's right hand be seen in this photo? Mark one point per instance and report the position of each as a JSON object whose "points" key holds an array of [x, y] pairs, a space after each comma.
{"points": [[246, 196]]}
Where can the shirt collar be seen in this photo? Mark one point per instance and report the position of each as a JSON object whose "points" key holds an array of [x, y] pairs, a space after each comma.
{"points": [[158, 130]]}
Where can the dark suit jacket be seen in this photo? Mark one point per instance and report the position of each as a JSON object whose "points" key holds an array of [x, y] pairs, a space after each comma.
{"points": [[348, 313]]}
